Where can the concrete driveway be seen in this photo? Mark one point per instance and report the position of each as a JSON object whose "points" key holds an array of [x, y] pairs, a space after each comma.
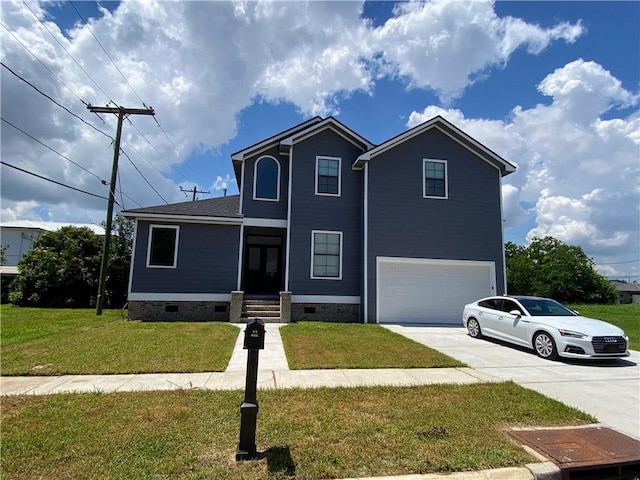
{"points": [[607, 389]]}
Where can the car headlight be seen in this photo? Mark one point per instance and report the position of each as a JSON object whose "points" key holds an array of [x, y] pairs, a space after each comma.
{"points": [[572, 334]]}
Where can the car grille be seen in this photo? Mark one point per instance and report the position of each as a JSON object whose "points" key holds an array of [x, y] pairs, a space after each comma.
{"points": [[609, 344]]}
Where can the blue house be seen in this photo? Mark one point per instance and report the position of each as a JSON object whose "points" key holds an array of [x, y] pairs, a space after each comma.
{"points": [[328, 226]]}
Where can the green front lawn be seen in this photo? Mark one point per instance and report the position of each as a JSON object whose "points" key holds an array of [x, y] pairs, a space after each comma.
{"points": [[627, 317], [307, 434], [318, 345], [39, 341]]}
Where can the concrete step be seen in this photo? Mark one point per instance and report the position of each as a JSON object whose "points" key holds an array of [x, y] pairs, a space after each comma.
{"points": [[261, 307], [264, 319], [259, 314]]}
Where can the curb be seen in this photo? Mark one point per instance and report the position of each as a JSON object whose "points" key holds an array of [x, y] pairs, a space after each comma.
{"points": [[532, 471]]}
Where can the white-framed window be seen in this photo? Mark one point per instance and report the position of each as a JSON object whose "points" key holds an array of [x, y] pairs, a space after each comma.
{"points": [[434, 179], [328, 176], [162, 250], [326, 255], [266, 179]]}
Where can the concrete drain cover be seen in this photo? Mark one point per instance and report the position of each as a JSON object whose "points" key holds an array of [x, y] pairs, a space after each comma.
{"points": [[579, 448]]}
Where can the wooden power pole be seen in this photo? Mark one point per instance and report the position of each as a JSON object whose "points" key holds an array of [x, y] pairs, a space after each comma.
{"points": [[122, 112], [194, 191]]}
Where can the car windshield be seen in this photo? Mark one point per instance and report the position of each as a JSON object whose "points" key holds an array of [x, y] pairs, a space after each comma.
{"points": [[539, 307]]}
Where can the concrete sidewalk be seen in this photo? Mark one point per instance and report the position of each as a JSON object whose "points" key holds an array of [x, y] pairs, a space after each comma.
{"points": [[273, 373]]}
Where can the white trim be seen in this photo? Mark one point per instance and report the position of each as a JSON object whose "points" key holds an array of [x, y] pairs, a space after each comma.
{"points": [[175, 247], [325, 157], [366, 243], [352, 300], [186, 218], [504, 256], [180, 297], [433, 123], [240, 255], [265, 222], [251, 150], [255, 177], [313, 239], [9, 269], [288, 247], [424, 179], [331, 124], [133, 255], [241, 187], [430, 261]]}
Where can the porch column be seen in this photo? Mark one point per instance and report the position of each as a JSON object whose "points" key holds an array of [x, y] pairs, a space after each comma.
{"points": [[285, 307], [235, 313]]}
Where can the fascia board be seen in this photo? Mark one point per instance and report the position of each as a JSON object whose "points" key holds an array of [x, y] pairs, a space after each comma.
{"points": [[186, 218]]}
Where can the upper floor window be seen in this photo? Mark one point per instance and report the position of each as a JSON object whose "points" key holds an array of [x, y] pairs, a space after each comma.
{"points": [[326, 255], [435, 179], [328, 176], [266, 179], [162, 251]]}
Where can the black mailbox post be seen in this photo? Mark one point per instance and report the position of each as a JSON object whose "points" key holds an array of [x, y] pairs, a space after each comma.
{"points": [[253, 341]]}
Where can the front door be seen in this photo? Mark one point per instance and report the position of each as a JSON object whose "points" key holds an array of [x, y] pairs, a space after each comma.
{"points": [[262, 264]]}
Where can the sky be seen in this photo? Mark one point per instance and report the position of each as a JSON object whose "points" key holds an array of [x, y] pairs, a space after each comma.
{"points": [[553, 87]]}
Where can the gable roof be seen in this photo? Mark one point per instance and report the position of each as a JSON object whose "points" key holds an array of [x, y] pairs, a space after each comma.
{"points": [[212, 208], [240, 155], [448, 129], [328, 123]]}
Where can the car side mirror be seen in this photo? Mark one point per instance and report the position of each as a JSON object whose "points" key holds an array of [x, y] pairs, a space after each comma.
{"points": [[515, 313]]}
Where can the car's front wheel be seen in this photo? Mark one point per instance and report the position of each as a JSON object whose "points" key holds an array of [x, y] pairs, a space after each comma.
{"points": [[544, 346], [473, 327]]}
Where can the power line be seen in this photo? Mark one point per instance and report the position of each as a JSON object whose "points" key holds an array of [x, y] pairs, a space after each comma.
{"points": [[52, 181], [43, 64], [619, 263], [106, 53], [144, 178], [67, 51], [54, 101], [54, 151]]}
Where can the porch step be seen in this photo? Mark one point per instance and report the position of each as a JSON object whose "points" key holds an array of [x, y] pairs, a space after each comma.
{"points": [[266, 310]]}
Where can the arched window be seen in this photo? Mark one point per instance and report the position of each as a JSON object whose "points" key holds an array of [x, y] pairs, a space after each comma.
{"points": [[266, 179]]}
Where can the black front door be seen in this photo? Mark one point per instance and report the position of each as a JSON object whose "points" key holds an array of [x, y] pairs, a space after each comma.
{"points": [[262, 264]]}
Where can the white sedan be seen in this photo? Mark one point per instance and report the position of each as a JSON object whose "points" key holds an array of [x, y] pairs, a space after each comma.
{"points": [[545, 325]]}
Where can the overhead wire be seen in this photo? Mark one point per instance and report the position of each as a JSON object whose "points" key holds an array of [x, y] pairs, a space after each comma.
{"points": [[53, 181], [54, 101], [143, 177], [53, 150], [67, 51]]}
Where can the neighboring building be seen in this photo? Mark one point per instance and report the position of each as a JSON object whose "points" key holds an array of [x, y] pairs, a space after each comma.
{"points": [[406, 231], [18, 237], [627, 292]]}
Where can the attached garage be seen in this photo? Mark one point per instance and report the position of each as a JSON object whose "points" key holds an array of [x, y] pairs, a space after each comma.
{"points": [[418, 290]]}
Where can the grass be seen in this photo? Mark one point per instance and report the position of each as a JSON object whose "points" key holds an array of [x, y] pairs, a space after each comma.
{"points": [[627, 317], [306, 434], [325, 345], [37, 341]]}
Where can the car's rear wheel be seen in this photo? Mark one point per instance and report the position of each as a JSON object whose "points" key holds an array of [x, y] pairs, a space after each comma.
{"points": [[473, 327], [544, 346]]}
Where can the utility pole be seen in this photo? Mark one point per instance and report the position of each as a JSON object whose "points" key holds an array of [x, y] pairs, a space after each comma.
{"points": [[194, 191], [121, 112]]}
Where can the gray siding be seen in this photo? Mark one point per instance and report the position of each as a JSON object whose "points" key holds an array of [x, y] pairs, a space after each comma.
{"points": [[315, 212], [261, 208], [207, 260], [466, 226]]}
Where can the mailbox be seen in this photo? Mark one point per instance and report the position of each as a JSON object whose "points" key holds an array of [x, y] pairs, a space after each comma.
{"points": [[254, 334]]}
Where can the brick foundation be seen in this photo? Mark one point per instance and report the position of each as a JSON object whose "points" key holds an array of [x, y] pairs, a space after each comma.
{"points": [[178, 311], [326, 312]]}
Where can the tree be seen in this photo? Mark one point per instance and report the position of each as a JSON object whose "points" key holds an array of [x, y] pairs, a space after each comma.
{"points": [[61, 270], [117, 282], [550, 268]]}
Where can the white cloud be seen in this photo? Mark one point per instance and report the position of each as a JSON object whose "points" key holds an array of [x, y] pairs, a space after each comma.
{"points": [[199, 64], [581, 171]]}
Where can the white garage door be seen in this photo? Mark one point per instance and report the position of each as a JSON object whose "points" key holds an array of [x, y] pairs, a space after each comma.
{"points": [[416, 290]]}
